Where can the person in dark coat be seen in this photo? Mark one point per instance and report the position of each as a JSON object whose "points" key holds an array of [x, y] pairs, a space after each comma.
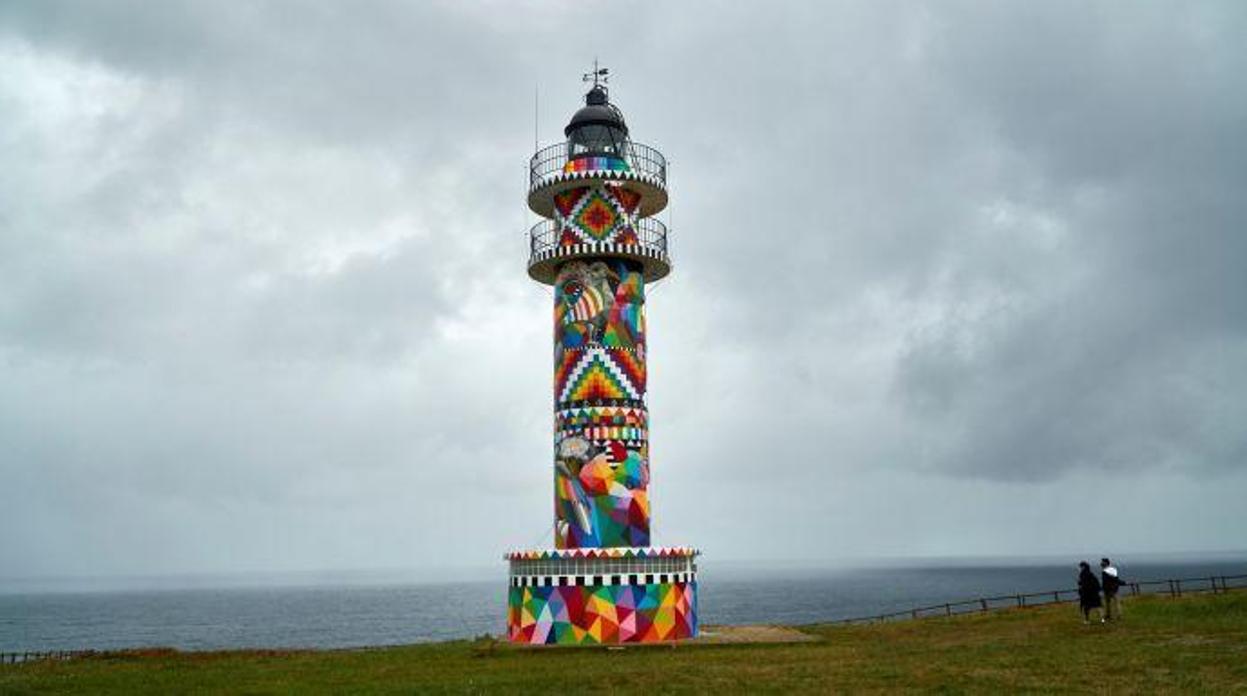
{"points": [[1088, 592]]}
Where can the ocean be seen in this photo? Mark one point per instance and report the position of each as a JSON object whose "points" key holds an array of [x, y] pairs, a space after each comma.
{"points": [[347, 615]]}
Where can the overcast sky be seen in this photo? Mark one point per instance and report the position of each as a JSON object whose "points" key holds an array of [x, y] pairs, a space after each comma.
{"points": [[950, 279]]}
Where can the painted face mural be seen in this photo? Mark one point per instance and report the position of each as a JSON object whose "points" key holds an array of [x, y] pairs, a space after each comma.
{"points": [[601, 456]]}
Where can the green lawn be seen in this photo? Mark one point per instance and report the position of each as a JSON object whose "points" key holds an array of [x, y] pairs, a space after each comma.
{"points": [[1197, 643]]}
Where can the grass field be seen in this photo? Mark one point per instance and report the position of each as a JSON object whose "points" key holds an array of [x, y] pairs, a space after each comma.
{"points": [[1192, 644]]}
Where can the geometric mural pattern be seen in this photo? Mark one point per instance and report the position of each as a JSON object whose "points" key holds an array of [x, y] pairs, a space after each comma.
{"points": [[597, 218], [595, 614], [601, 494], [596, 214], [601, 424], [600, 374], [588, 164], [648, 552], [625, 322]]}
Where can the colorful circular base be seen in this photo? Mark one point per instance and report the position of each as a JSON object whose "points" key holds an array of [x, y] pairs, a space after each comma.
{"points": [[602, 596]]}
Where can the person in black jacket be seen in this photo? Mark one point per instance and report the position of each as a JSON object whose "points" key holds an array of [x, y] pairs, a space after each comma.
{"points": [[1088, 592], [1112, 583]]}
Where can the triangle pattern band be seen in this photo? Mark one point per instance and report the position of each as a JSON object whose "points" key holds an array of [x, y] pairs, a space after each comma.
{"points": [[632, 366], [597, 375]]}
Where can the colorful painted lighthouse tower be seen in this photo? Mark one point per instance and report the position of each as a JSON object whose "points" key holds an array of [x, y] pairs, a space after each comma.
{"points": [[599, 246]]}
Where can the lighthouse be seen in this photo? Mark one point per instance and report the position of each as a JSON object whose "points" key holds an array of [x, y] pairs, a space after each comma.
{"points": [[598, 246]]}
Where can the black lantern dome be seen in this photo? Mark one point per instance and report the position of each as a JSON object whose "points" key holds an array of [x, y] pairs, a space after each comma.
{"points": [[597, 129]]}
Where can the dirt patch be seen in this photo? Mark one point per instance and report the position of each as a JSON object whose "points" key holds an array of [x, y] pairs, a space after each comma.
{"points": [[1192, 640]]}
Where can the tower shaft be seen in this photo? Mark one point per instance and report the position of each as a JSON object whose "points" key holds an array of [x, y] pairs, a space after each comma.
{"points": [[601, 444]]}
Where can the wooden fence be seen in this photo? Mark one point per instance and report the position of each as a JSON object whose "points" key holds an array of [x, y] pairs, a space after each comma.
{"points": [[1172, 588], [14, 658]]}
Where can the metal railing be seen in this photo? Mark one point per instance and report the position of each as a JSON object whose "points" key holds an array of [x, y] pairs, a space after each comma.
{"points": [[603, 566], [1173, 588], [17, 658], [651, 233], [641, 159]]}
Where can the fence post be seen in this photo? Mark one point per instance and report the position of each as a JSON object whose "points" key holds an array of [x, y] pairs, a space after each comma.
{"points": [[1171, 593], [948, 610], [984, 603]]}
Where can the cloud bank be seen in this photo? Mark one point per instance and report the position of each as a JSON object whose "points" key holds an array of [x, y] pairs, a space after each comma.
{"points": [[954, 279]]}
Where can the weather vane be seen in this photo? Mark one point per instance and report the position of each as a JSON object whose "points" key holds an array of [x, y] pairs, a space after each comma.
{"points": [[599, 75]]}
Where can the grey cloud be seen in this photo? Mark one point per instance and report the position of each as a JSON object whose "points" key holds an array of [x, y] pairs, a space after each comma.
{"points": [[1050, 229], [261, 275]]}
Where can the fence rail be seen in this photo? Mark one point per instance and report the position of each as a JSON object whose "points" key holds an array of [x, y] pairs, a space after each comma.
{"points": [[1170, 587], [17, 658]]}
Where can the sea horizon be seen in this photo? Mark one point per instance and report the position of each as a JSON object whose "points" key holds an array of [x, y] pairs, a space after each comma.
{"points": [[351, 609], [415, 575]]}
